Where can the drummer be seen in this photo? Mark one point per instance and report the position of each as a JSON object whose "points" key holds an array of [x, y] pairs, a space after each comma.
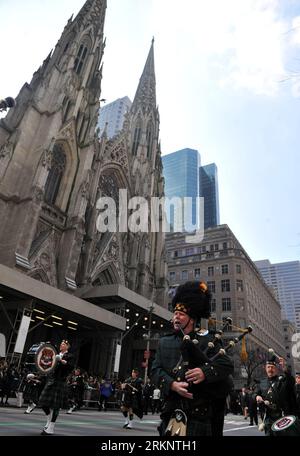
{"points": [[276, 392], [55, 394]]}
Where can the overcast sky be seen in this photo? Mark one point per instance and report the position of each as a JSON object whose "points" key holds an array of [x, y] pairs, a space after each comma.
{"points": [[227, 85]]}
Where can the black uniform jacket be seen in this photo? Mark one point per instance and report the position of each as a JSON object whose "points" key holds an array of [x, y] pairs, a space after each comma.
{"points": [[280, 392], [167, 367]]}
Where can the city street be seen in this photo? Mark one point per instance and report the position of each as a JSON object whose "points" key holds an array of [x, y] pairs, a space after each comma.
{"points": [[13, 422]]}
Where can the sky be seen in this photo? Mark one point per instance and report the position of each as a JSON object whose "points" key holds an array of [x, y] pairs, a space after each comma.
{"points": [[228, 85]]}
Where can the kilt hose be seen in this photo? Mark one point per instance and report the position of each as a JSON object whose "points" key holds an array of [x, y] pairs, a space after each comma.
{"points": [[55, 394]]}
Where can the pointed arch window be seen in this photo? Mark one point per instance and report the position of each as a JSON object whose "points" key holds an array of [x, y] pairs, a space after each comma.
{"points": [[80, 58], [149, 139], [55, 175], [136, 137]]}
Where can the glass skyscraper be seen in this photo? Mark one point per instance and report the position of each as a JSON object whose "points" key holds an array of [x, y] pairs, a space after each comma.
{"points": [[180, 170], [284, 278], [185, 177], [113, 114], [209, 189]]}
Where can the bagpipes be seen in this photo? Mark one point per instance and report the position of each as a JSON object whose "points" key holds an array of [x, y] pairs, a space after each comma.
{"points": [[193, 356], [127, 385]]}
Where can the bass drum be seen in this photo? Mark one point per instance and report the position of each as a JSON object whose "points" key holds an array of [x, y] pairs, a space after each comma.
{"points": [[286, 426], [41, 358]]}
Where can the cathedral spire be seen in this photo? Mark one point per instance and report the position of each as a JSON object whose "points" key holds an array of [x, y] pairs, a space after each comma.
{"points": [[91, 12], [145, 96]]}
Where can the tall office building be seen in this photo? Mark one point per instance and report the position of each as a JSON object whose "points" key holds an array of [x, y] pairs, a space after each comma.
{"points": [[184, 176], [208, 183], [180, 170], [113, 115], [238, 291], [284, 278]]}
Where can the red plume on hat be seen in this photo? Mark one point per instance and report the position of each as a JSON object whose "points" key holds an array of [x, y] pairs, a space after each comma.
{"points": [[193, 298]]}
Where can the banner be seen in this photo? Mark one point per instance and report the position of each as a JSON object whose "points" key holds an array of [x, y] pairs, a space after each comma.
{"points": [[117, 358], [22, 334]]}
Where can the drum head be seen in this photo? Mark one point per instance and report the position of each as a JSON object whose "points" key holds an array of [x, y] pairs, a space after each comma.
{"points": [[45, 358], [283, 423]]}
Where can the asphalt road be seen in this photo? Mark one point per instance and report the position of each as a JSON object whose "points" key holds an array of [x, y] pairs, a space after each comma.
{"points": [[13, 422]]}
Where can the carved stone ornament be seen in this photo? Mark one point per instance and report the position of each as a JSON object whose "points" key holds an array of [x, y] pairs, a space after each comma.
{"points": [[37, 195], [6, 150], [47, 159], [68, 133]]}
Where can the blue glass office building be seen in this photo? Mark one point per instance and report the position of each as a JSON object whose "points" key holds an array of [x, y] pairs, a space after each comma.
{"points": [[209, 189], [181, 173], [184, 176]]}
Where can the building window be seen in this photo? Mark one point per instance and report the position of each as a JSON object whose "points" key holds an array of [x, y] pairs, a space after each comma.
{"points": [[224, 245], [184, 275], [226, 304], [136, 137], [177, 253], [80, 58], [225, 285], [210, 271], [226, 326], [189, 251], [239, 269], [203, 249], [224, 268], [197, 273], [149, 139], [172, 276], [213, 305], [241, 305], [216, 247], [239, 285], [211, 286], [56, 172], [211, 247]]}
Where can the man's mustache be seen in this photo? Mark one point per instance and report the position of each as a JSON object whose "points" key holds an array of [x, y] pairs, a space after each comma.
{"points": [[177, 323]]}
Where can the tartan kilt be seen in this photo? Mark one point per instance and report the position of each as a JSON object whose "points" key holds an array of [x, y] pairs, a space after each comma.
{"points": [[31, 393], [54, 395]]}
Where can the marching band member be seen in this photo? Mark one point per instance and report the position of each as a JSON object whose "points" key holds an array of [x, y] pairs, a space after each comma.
{"points": [[192, 394], [131, 398], [276, 392], [76, 390], [34, 386], [55, 394]]}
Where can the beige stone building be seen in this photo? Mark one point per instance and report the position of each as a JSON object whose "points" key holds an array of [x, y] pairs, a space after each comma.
{"points": [[53, 171], [238, 289]]}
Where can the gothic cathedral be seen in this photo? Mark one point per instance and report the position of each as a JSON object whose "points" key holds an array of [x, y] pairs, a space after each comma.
{"points": [[54, 168]]}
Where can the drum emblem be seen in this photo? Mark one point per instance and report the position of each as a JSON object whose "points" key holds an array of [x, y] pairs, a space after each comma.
{"points": [[285, 421], [45, 360]]}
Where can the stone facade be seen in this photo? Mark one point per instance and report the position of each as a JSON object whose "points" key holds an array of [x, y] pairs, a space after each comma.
{"points": [[53, 170], [238, 289]]}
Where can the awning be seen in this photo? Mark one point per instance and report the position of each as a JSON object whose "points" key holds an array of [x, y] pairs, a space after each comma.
{"points": [[117, 293], [15, 280]]}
